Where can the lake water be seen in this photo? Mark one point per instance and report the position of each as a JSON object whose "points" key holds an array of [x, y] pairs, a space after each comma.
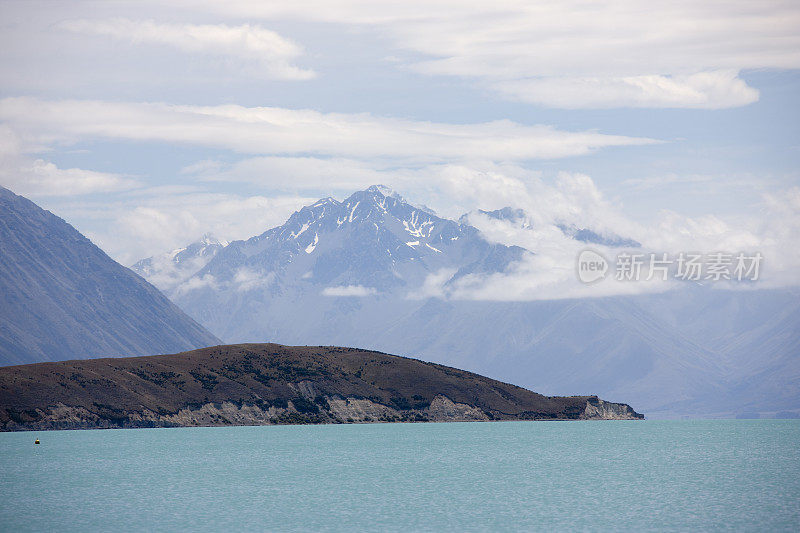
{"points": [[666, 475]]}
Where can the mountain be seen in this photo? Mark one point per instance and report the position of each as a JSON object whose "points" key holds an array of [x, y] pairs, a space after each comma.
{"points": [[506, 214], [61, 297], [255, 384], [168, 270], [357, 273], [373, 242], [592, 237]]}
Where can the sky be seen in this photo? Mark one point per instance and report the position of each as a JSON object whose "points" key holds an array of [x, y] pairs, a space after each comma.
{"points": [[147, 125]]}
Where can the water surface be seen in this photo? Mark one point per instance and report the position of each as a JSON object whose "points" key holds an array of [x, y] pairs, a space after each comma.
{"points": [[673, 475]]}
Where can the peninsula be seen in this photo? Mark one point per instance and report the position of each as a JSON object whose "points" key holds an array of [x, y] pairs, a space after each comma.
{"points": [[260, 384]]}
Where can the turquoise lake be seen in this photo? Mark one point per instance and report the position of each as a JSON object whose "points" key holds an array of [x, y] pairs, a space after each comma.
{"points": [[506, 476]]}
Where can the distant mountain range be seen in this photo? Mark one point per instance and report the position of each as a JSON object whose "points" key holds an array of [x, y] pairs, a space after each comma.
{"points": [[357, 273], [61, 297], [354, 273], [256, 384]]}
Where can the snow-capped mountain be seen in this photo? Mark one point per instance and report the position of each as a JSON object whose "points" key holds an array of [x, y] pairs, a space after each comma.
{"points": [[373, 239], [168, 270], [358, 272]]}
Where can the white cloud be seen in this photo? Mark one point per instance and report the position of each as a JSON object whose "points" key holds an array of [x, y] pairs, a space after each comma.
{"points": [[42, 178], [195, 283], [573, 53], [202, 167], [166, 274], [779, 227], [272, 130], [570, 198], [703, 90], [655, 182], [265, 51], [449, 188], [33, 176], [349, 290], [280, 173], [547, 277], [433, 286], [154, 220], [246, 280], [574, 199]]}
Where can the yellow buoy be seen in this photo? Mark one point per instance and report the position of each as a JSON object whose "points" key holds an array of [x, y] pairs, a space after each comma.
{"points": [[36, 441]]}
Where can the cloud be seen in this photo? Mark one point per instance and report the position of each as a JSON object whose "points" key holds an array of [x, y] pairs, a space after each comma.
{"points": [[433, 286], [349, 290], [167, 274], [703, 90], [573, 199], [33, 176], [569, 198], [195, 283], [266, 52], [279, 131], [42, 178], [280, 172], [150, 221], [779, 227], [576, 54], [656, 182], [246, 280], [449, 188], [546, 277]]}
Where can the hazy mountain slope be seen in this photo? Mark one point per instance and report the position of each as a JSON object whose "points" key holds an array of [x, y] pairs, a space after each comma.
{"points": [[61, 297], [755, 334], [268, 384], [558, 347]]}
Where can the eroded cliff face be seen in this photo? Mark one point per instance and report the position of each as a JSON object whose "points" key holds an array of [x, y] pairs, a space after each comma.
{"points": [[329, 410], [603, 410]]}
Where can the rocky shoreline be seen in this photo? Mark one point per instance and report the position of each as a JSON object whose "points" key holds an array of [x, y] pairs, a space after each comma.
{"points": [[337, 411]]}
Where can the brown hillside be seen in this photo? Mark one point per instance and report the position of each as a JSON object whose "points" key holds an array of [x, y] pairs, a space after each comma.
{"points": [[266, 383]]}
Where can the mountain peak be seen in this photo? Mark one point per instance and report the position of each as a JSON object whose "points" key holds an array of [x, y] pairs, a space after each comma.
{"points": [[208, 239], [512, 215], [382, 189], [380, 192], [325, 201]]}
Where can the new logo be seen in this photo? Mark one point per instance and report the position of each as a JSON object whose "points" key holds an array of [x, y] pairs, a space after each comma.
{"points": [[591, 266]]}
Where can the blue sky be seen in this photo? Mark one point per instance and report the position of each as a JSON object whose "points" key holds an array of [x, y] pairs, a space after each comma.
{"points": [[143, 125]]}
